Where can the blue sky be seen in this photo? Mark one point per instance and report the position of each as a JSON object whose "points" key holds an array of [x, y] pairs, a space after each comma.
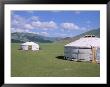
{"points": [[54, 23]]}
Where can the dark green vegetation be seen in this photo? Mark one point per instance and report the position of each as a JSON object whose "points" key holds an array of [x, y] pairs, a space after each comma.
{"points": [[48, 62], [23, 37], [19, 37]]}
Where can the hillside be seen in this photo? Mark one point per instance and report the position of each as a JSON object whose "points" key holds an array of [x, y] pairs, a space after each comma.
{"points": [[95, 32], [23, 37], [18, 37]]}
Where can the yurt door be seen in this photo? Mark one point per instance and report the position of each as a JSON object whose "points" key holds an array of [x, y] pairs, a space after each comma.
{"points": [[30, 47]]}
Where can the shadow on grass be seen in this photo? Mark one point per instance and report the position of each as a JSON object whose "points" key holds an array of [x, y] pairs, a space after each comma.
{"points": [[61, 57], [19, 49]]}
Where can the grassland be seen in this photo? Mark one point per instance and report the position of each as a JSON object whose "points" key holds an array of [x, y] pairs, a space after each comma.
{"points": [[47, 63]]}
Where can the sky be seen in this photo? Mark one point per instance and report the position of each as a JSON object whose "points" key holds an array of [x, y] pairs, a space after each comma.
{"points": [[54, 23]]}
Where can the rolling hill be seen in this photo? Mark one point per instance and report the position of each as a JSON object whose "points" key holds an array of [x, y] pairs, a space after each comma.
{"points": [[18, 37], [95, 32]]}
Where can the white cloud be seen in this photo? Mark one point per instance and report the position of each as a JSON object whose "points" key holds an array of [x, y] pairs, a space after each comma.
{"points": [[34, 32], [13, 30], [18, 18], [28, 26], [36, 24], [26, 31], [44, 25], [35, 18], [21, 30], [60, 34], [17, 21], [52, 24], [44, 33], [69, 26], [39, 33], [63, 35], [21, 24]]}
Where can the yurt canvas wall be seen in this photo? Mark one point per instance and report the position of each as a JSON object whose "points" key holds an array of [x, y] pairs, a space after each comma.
{"points": [[82, 49], [29, 46], [77, 53], [35, 47], [84, 54], [24, 47]]}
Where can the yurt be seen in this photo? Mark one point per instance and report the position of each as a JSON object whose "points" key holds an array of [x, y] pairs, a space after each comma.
{"points": [[29, 46], [86, 48]]}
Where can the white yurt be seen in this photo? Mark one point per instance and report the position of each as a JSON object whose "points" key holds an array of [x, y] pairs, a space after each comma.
{"points": [[29, 46], [86, 48]]}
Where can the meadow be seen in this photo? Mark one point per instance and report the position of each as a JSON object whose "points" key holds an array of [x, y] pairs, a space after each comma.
{"points": [[48, 62]]}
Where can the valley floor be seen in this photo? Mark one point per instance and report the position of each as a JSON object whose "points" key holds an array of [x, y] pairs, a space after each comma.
{"points": [[48, 62]]}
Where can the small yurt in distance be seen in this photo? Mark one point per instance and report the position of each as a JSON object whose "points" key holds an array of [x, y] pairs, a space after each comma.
{"points": [[29, 46], [83, 49]]}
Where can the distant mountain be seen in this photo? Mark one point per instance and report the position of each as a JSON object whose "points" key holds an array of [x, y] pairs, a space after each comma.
{"points": [[95, 32], [18, 37]]}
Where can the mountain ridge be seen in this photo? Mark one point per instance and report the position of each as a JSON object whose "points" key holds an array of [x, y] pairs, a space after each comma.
{"points": [[20, 37], [95, 32]]}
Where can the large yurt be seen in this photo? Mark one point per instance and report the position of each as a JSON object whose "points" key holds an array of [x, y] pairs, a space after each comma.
{"points": [[29, 46], [86, 48]]}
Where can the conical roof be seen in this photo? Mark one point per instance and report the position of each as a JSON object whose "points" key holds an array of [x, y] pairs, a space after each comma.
{"points": [[86, 42], [29, 43]]}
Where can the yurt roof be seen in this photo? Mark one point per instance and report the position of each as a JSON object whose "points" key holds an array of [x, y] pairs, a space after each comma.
{"points": [[29, 43], [86, 42]]}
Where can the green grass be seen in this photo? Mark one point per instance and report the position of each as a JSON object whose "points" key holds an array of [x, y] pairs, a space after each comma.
{"points": [[44, 63]]}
